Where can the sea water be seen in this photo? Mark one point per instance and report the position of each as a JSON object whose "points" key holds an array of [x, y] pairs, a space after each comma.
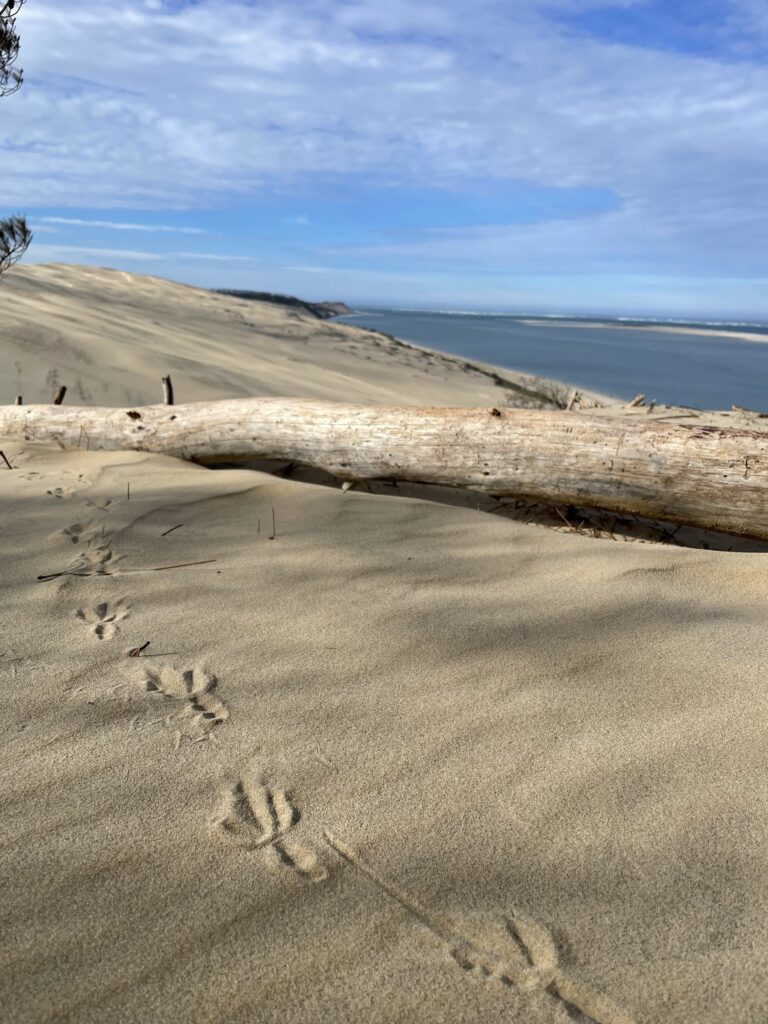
{"points": [[698, 370]]}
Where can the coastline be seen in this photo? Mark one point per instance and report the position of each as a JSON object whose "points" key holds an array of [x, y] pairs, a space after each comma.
{"points": [[706, 367], [57, 319]]}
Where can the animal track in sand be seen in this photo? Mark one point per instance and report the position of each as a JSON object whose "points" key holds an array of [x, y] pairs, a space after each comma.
{"points": [[519, 951], [85, 532], [103, 618], [513, 949], [259, 818], [61, 492], [194, 688], [97, 558], [104, 507]]}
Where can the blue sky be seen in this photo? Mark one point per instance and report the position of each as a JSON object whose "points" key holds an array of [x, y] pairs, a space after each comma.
{"points": [[577, 156]]}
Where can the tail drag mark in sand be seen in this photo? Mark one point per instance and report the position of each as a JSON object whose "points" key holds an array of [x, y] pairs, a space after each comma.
{"points": [[513, 949]]}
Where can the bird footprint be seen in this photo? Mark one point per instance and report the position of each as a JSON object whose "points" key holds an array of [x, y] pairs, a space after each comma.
{"points": [[103, 618], [515, 949], [76, 532], [194, 688], [259, 818], [99, 506], [521, 952]]}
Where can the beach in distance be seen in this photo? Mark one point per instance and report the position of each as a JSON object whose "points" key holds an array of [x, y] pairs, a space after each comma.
{"points": [[278, 752]]}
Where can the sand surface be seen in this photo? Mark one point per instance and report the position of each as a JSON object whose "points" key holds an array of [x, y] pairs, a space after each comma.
{"points": [[713, 332], [405, 762]]}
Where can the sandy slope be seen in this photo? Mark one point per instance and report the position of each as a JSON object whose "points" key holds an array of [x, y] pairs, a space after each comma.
{"points": [[110, 336], [520, 740], [403, 763]]}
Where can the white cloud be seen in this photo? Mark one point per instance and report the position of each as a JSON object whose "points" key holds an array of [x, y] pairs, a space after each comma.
{"points": [[213, 257], [158, 105], [65, 253], [497, 93], [46, 253], [119, 225]]}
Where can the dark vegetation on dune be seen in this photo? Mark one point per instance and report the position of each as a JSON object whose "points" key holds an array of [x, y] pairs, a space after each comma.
{"points": [[15, 236], [321, 310]]}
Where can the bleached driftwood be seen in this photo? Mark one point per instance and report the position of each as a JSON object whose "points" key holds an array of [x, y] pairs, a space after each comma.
{"points": [[697, 475]]}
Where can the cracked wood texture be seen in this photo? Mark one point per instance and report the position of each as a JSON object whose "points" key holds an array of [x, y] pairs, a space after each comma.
{"points": [[697, 475]]}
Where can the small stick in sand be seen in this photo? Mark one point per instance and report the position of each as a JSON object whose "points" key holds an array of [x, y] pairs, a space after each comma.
{"points": [[573, 528], [274, 530], [69, 572], [167, 390], [5, 460], [18, 400], [128, 491], [565, 519], [171, 529], [135, 652], [181, 565], [637, 400], [58, 398], [106, 572]]}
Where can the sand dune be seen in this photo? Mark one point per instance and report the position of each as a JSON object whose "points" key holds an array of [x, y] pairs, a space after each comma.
{"points": [[110, 336], [404, 762]]}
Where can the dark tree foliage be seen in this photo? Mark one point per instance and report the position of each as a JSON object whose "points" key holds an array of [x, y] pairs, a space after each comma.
{"points": [[15, 236], [10, 77]]}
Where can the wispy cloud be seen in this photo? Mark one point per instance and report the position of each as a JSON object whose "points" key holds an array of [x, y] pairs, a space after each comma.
{"points": [[342, 88], [112, 225], [54, 253], [132, 105], [214, 257]]}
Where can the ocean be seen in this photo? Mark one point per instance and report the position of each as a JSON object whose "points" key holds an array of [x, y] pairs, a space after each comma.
{"points": [[696, 370]]}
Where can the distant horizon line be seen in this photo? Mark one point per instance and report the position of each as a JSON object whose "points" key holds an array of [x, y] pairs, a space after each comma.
{"points": [[378, 307], [603, 317]]}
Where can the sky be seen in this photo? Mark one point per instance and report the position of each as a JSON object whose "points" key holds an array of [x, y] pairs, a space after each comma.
{"points": [[562, 156]]}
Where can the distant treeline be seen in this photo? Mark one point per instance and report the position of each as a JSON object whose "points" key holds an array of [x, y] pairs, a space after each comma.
{"points": [[322, 310]]}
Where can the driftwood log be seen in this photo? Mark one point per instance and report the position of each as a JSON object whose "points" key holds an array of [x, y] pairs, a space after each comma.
{"points": [[696, 475]]}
